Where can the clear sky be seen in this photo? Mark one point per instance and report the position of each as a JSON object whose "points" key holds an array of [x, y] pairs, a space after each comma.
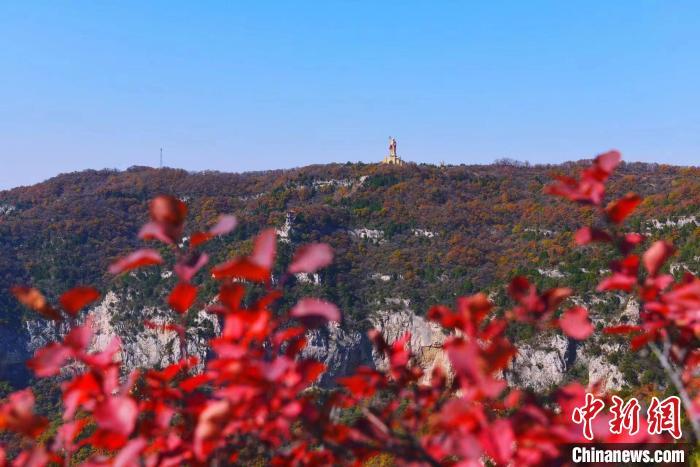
{"points": [[238, 86]]}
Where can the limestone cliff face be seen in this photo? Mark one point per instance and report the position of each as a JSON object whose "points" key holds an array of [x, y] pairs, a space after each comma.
{"points": [[142, 347], [341, 351], [540, 364], [425, 343]]}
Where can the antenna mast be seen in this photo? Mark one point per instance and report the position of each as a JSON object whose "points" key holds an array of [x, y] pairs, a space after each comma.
{"points": [[161, 158]]}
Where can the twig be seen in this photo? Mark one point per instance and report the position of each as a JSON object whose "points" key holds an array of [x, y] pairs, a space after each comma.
{"points": [[678, 384]]}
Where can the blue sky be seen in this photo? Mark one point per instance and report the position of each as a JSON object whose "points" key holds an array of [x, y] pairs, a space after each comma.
{"points": [[238, 86]]}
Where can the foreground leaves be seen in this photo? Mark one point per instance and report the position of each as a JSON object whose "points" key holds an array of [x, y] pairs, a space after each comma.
{"points": [[78, 298], [33, 299], [137, 259]]}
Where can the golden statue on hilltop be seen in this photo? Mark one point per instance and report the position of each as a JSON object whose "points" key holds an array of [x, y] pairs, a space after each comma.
{"points": [[392, 158]]}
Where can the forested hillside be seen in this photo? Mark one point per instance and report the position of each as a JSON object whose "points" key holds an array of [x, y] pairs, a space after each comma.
{"points": [[417, 232]]}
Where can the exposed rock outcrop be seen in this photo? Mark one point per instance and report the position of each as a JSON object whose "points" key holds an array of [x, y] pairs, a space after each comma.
{"points": [[341, 351], [425, 343], [540, 364], [142, 346]]}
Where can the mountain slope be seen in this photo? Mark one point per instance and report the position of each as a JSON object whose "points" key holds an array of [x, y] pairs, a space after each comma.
{"points": [[418, 232]]}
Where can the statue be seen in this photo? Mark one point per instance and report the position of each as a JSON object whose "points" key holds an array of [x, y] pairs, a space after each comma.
{"points": [[392, 158]]}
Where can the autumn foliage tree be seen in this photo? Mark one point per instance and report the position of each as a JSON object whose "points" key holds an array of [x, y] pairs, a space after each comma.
{"points": [[255, 399]]}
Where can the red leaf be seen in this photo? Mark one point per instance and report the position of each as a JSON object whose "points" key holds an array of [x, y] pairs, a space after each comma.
{"points": [[49, 360], [194, 382], [198, 238], [17, 414], [67, 433], [129, 454], [656, 255], [257, 266], [241, 268], [77, 298], [167, 218], [363, 384], [224, 225], [264, 249], [117, 414], [499, 441], [468, 363], [607, 162], [166, 209], [211, 421], [587, 235], [104, 439], [137, 259], [182, 297], [575, 323], [618, 281], [77, 391], [78, 339], [554, 297], [641, 340], [520, 288], [34, 457], [618, 210], [231, 295], [105, 358], [310, 258], [288, 334], [590, 188], [33, 299], [315, 312]]}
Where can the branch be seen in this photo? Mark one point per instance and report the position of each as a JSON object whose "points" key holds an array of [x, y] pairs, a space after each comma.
{"points": [[678, 384]]}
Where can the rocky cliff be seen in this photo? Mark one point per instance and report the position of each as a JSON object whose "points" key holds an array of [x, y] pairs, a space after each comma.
{"points": [[541, 364], [142, 346]]}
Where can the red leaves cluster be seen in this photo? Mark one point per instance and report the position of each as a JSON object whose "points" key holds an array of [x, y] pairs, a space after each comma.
{"points": [[96, 390], [17, 414], [480, 351], [668, 321], [590, 187], [539, 309], [72, 301], [250, 394]]}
